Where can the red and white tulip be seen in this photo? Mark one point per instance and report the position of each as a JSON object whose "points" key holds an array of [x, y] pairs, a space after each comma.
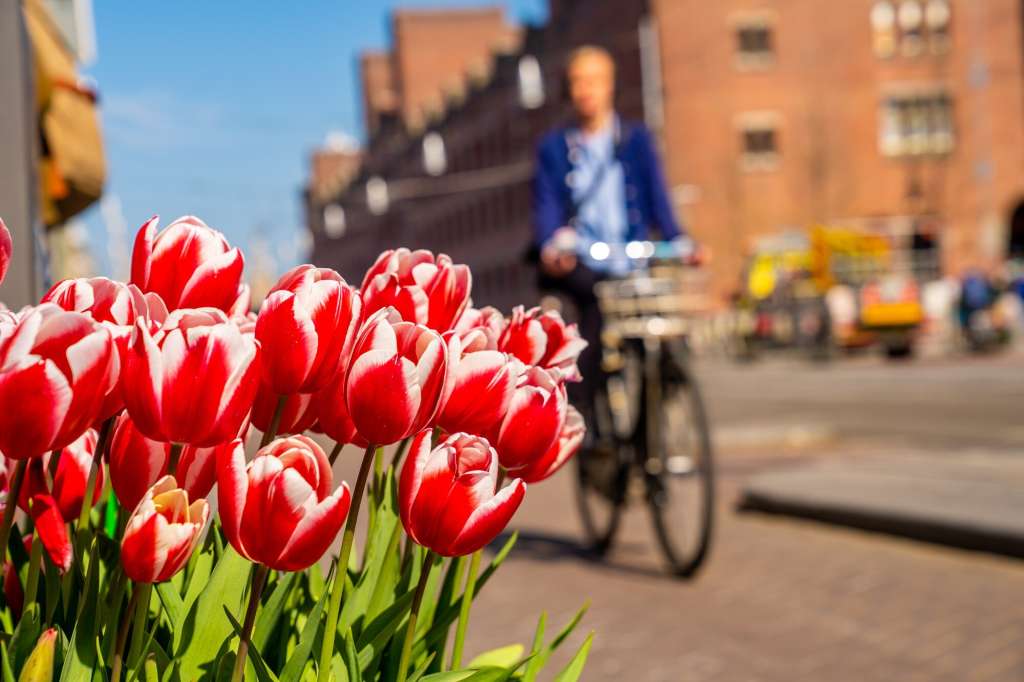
{"points": [[533, 421], [447, 497], [424, 289], [279, 509], [70, 479], [162, 532], [543, 339], [561, 451]]}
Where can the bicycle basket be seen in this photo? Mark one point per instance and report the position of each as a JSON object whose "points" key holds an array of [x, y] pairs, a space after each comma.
{"points": [[660, 301]]}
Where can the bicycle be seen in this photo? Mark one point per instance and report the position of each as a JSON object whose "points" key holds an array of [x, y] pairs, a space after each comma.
{"points": [[650, 422]]}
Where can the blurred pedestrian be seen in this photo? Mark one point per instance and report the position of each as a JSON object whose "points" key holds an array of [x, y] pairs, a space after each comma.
{"points": [[597, 180]]}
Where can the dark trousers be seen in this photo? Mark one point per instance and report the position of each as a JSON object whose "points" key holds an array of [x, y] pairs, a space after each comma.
{"points": [[578, 287]]}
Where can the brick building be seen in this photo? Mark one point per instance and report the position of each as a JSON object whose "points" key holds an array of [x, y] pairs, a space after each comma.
{"points": [[773, 115]]}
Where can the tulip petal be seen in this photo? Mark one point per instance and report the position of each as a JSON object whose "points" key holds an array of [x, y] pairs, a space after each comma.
{"points": [[36, 393], [489, 519], [142, 253], [289, 338], [5, 249], [52, 532], [316, 531], [232, 491], [412, 476], [383, 396], [142, 383]]}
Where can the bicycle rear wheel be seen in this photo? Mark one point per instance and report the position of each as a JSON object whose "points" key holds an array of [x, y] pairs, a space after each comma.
{"points": [[680, 476]]}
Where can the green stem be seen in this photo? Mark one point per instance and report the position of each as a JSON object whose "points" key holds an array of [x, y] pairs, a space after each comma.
{"points": [[13, 493], [122, 635], [259, 579], [173, 456], [335, 452], [341, 567], [410, 632], [97, 462], [467, 602], [275, 421], [51, 468], [35, 559], [139, 628]]}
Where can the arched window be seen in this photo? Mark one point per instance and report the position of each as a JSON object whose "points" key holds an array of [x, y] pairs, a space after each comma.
{"points": [[377, 195], [937, 19], [883, 28], [334, 221], [435, 159], [910, 17]]}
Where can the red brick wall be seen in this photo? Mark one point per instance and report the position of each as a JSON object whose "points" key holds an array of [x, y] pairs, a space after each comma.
{"points": [[825, 88]]}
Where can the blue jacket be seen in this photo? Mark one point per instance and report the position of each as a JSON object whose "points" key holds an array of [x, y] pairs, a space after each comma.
{"points": [[647, 201]]}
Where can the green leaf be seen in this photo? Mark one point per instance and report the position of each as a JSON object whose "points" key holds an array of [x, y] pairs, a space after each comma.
{"points": [[270, 613], [488, 674], [569, 627], [83, 658], [417, 674], [503, 657], [206, 630], [375, 636], [263, 673], [572, 672], [25, 636], [173, 604], [536, 660], [297, 661], [5, 665], [200, 575], [350, 657]]}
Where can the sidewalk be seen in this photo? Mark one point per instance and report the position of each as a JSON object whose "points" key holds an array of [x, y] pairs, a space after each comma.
{"points": [[972, 500]]}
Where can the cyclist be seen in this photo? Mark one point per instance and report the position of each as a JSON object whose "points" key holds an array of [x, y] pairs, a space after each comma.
{"points": [[597, 180]]}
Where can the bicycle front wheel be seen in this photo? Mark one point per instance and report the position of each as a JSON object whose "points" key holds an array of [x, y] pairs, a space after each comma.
{"points": [[680, 477]]}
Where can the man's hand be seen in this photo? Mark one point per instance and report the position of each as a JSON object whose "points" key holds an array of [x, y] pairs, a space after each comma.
{"points": [[556, 262], [558, 256]]}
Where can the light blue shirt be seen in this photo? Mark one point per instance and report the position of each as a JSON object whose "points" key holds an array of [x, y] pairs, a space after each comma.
{"points": [[602, 216]]}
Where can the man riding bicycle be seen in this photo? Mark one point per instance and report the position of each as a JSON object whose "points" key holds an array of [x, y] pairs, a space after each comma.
{"points": [[598, 181]]}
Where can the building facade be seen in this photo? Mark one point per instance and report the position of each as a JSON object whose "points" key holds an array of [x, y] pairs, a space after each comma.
{"points": [[773, 115]]}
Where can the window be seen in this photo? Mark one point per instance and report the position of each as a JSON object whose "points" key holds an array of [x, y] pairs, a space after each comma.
{"points": [[916, 124], [883, 27], [910, 27], [334, 221], [759, 140], [754, 44], [435, 160], [531, 82]]}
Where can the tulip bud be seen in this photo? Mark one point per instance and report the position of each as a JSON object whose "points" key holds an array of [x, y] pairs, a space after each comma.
{"points": [[561, 451], [480, 329], [57, 369], [52, 531], [306, 327], [543, 339], [162, 532], [447, 497], [70, 479], [190, 266], [192, 382], [279, 509], [534, 419], [39, 666], [397, 379], [423, 289], [137, 463]]}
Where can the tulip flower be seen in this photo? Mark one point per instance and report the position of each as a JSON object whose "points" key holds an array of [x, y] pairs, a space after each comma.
{"points": [[424, 289], [5, 249], [533, 421], [480, 329], [543, 339], [332, 417], [482, 388], [306, 327], [162, 532], [39, 665], [137, 463], [560, 452], [298, 412], [52, 531], [57, 369], [192, 382], [447, 497], [69, 480], [397, 378], [279, 510], [189, 265]]}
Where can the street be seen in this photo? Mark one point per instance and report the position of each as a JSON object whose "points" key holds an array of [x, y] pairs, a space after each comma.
{"points": [[783, 599]]}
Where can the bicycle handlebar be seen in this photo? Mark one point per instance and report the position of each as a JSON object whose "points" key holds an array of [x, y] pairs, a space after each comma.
{"points": [[634, 251]]}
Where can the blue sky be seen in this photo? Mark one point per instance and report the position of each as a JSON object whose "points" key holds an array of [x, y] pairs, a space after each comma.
{"points": [[212, 109]]}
